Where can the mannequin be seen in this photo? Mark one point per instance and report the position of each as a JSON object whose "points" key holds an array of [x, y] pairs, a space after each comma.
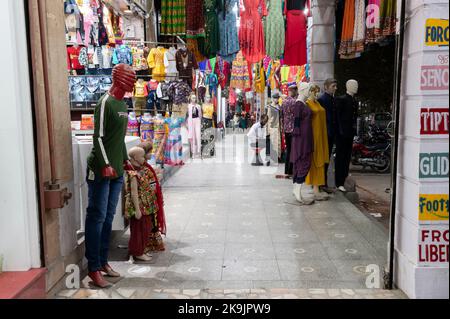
{"points": [[146, 128], [133, 125], [208, 132], [105, 172], [273, 127], [327, 101], [174, 147], [160, 138], [136, 182], [289, 105], [302, 143], [140, 96], [194, 117], [346, 115], [316, 176]]}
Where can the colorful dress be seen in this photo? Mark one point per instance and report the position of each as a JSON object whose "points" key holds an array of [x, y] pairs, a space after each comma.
{"points": [[147, 131], [208, 131], [160, 132], [195, 21], [156, 63], [173, 155], [320, 156], [353, 30], [211, 44], [295, 52], [274, 30], [229, 40], [251, 33], [240, 77], [173, 17]]}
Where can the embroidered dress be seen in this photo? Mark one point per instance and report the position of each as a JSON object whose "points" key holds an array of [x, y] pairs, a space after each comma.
{"points": [[147, 131], [229, 40], [160, 132], [156, 63], [251, 33], [173, 17], [240, 77], [195, 21], [173, 155], [353, 30], [274, 29], [211, 44]]}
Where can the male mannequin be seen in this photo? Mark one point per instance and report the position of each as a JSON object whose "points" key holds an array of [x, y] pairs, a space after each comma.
{"points": [[105, 172], [302, 143], [194, 123], [346, 114], [288, 125], [328, 103]]}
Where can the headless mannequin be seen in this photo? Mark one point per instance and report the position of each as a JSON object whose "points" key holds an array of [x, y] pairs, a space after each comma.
{"points": [[346, 114], [137, 159], [293, 94], [304, 89], [318, 195]]}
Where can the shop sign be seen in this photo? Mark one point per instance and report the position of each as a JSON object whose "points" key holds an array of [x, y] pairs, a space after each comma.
{"points": [[433, 165], [434, 121], [433, 246], [436, 32], [433, 208], [434, 77]]}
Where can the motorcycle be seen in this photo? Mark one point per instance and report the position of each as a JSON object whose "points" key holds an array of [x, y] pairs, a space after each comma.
{"points": [[373, 152]]}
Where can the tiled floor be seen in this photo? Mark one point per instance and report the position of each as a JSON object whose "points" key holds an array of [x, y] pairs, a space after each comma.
{"points": [[235, 226]]}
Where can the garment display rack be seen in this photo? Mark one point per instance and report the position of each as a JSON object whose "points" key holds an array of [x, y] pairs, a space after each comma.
{"points": [[137, 76]]}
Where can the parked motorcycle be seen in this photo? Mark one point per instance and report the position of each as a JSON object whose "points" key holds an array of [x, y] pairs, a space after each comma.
{"points": [[374, 151]]}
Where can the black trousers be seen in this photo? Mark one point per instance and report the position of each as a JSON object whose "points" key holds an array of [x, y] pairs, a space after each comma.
{"points": [[331, 142], [343, 157], [288, 166]]}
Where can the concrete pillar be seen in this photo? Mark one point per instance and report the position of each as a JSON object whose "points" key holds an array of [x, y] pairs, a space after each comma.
{"points": [[322, 40], [421, 243]]}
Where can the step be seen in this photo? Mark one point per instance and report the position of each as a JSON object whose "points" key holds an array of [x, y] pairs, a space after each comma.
{"points": [[23, 284]]}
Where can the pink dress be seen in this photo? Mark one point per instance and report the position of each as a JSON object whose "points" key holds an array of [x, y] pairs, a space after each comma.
{"points": [[251, 30]]}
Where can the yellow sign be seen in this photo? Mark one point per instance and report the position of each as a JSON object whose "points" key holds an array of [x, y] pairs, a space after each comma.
{"points": [[436, 32], [433, 207]]}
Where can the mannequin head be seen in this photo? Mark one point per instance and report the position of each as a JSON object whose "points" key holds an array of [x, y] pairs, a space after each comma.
{"points": [[303, 91], [352, 87], [314, 91], [330, 86], [193, 99], [124, 78], [137, 156]]}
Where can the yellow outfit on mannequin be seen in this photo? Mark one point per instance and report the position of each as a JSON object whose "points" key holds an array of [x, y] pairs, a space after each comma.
{"points": [[320, 155], [156, 63]]}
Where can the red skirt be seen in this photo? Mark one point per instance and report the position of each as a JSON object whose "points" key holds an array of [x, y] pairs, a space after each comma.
{"points": [[295, 52], [140, 231]]}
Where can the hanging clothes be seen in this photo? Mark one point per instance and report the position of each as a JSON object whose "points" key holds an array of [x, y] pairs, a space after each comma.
{"points": [[139, 60], [274, 29], [229, 40], [195, 21], [223, 71], [173, 153], [320, 156], [170, 63], [388, 17], [123, 54], [240, 77], [260, 80], [353, 30], [159, 134], [173, 17], [210, 45], [186, 63], [251, 32], [156, 63], [193, 46], [295, 52]]}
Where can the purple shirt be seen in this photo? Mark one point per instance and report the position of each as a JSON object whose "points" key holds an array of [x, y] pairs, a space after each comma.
{"points": [[288, 114]]}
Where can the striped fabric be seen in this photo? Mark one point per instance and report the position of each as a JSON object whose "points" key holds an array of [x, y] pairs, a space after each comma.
{"points": [[173, 17]]}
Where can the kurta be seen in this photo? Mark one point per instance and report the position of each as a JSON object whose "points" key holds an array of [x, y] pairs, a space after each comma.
{"points": [[295, 52], [156, 63], [211, 44], [274, 30], [320, 156], [229, 40], [302, 142], [240, 77], [251, 31]]}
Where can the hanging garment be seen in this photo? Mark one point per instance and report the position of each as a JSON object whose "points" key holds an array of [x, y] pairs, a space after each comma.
{"points": [[388, 17], [139, 60], [211, 44], [147, 131], [107, 56], [133, 126], [232, 98], [170, 63], [295, 52], [274, 29], [159, 134], [73, 62], [122, 54], [208, 131], [173, 17], [260, 80], [273, 128], [240, 77], [320, 156], [251, 33], [194, 127], [223, 71], [173, 153], [353, 30], [302, 142], [195, 21], [179, 92], [193, 46], [186, 63], [140, 89], [229, 40], [156, 63]]}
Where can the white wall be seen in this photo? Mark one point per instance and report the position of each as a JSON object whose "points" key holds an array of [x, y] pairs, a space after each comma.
{"points": [[19, 231], [418, 279]]}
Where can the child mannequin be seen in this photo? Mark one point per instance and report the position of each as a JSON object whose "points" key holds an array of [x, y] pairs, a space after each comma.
{"points": [[140, 204]]}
